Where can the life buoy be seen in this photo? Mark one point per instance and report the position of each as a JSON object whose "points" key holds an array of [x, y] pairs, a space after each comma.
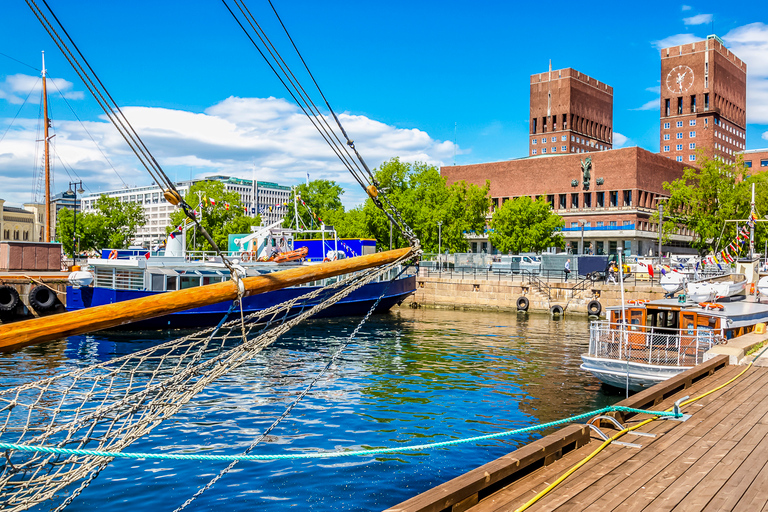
{"points": [[9, 298], [245, 256], [522, 304], [711, 305], [291, 255], [42, 298], [637, 301], [113, 254], [594, 308]]}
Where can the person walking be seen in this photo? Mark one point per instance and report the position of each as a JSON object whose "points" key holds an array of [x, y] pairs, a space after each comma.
{"points": [[611, 274], [567, 269]]}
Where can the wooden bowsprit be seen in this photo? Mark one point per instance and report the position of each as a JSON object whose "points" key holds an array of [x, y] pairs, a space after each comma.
{"points": [[38, 330]]}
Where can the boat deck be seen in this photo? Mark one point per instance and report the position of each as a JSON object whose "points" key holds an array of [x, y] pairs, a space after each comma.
{"points": [[716, 460]]}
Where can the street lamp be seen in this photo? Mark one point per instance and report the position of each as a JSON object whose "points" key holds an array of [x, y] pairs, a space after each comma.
{"points": [[74, 192], [440, 243], [582, 222]]}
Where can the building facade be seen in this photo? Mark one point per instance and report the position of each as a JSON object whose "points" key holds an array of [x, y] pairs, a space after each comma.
{"points": [[606, 210], [703, 102], [23, 224], [256, 196], [756, 160], [570, 112]]}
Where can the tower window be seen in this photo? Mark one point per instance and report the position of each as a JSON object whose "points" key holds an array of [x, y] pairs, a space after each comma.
{"points": [[679, 106], [666, 107], [706, 101]]}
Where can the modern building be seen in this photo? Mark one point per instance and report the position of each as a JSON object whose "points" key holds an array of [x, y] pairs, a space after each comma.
{"points": [[570, 113], [756, 160], [608, 207], [159, 210], [703, 101], [22, 224]]}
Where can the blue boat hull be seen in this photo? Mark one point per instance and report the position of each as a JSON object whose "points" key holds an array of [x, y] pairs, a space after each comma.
{"points": [[357, 303]]}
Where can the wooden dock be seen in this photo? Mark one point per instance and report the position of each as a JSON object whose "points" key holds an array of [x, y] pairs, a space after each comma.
{"points": [[716, 460]]}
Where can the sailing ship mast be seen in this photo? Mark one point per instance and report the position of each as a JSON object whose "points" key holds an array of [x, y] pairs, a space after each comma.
{"points": [[47, 159]]}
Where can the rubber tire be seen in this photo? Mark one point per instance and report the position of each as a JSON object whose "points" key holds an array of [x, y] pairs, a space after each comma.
{"points": [[556, 310], [594, 308], [42, 298], [594, 276], [522, 304], [9, 298]]}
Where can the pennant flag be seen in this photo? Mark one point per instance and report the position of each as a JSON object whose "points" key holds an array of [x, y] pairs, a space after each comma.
{"points": [[697, 265], [226, 206], [147, 255], [172, 235], [180, 228], [213, 202], [650, 270]]}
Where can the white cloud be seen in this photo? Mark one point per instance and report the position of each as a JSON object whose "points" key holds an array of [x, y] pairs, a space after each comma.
{"points": [[651, 105], [675, 40], [750, 44], [232, 138], [699, 19], [16, 88], [619, 140], [655, 88], [686, 8], [765, 135]]}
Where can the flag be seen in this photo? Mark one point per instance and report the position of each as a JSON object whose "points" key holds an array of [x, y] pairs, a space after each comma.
{"points": [[213, 202], [147, 255], [307, 177], [172, 235], [697, 265], [226, 206], [650, 270]]}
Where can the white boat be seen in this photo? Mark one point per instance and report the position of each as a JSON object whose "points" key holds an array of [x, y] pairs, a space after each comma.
{"points": [[672, 282], [707, 290], [643, 344]]}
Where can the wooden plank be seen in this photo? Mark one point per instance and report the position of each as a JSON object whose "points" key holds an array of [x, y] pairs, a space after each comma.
{"points": [[653, 461], [53, 327], [521, 491], [496, 472], [599, 479]]}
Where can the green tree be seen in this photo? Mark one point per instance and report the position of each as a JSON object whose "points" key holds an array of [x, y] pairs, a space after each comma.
{"points": [[218, 220], [113, 225], [703, 199], [420, 194], [322, 198], [525, 225]]}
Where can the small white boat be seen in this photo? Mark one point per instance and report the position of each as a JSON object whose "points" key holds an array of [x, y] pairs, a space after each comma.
{"points": [[672, 282], [650, 342], [707, 290]]}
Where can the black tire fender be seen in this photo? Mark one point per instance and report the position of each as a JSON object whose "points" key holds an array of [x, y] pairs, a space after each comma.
{"points": [[594, 308], [9, 298], [556, 310], [42, 298], [522, 304]]}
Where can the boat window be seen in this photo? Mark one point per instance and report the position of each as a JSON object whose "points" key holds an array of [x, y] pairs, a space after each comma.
{"points": [[188, 282], [635, 318], [212, 279], [171, 283], [158, 282]]}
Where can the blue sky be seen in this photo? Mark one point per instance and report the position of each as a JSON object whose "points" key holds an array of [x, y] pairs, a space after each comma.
{"points": [[412, 77]]}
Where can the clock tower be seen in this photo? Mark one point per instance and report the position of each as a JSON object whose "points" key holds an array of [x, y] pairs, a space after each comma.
{"points": [[703, 102]]}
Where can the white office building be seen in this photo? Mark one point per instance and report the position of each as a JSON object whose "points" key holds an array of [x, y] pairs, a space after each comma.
{"points": [[258, 196]]}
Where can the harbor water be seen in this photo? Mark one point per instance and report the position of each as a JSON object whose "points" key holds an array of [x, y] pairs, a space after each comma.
{"points": [[410, 377]]}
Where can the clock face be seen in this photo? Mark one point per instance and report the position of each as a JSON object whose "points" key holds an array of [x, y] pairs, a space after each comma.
{"points": [[680, 79]]}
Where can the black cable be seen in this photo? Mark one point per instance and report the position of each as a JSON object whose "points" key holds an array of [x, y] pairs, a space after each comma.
{"points": [[19, 111], [17, 60]]}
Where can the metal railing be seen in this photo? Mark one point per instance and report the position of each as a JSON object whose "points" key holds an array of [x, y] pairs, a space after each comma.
{"points": [[652, 345]]}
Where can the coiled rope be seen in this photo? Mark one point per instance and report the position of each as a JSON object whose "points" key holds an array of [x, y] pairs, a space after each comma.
{"points": [[325, 455]]}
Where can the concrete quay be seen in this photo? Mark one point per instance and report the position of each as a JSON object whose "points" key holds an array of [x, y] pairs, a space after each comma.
{"points": [[502, 291]]}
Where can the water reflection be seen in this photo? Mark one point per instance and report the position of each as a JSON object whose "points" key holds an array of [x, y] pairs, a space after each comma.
{"points": [[413, 376]]}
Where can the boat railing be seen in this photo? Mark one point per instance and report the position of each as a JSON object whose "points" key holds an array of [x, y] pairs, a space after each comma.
{"points": [[652, 345]]}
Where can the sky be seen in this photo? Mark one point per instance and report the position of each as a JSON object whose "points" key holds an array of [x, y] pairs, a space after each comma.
{"points": [[437, 82]]}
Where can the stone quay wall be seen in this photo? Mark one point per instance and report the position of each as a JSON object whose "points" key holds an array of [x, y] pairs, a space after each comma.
{"points": [[502, 294]]}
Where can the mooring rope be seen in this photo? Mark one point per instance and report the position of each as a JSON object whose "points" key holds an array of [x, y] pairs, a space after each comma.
{"points": [[324, 455]]}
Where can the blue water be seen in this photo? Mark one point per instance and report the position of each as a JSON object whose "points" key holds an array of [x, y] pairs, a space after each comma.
{"points": [[411, 377]]}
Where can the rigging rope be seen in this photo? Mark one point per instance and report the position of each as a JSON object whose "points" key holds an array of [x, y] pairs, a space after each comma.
{"points": [[110, 405]]}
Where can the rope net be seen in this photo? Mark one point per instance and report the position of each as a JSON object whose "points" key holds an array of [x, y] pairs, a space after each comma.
{"points": [[108, 406]]}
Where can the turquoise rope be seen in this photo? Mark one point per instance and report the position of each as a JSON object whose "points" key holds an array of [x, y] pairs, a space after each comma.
{"points": [[320, 455]]}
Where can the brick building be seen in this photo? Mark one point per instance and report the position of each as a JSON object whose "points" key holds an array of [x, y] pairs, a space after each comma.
{"points": [[756, 160], [610, 210], [570, 113], [703, 101]]}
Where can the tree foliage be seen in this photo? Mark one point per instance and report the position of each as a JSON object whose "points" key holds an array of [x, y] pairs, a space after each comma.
{"points": [[522, 225], [705, 198], [218, 220], [113, 225], [322, 198], [420, 194]]}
